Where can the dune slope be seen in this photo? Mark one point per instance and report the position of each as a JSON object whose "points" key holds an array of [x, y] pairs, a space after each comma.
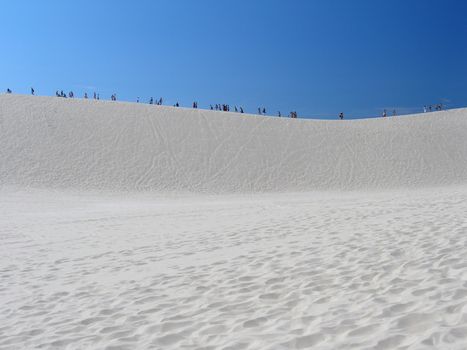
{"points": [[49, 142]]}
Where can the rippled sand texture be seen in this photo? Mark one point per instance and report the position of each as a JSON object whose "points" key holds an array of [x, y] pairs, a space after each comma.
{"points": [[289, 271]]}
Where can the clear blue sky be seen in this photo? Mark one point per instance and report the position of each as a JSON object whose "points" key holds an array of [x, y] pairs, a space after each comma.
{"points": [[318, 57]]}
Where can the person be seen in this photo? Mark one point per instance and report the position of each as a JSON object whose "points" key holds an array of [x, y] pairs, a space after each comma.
{"points": [[32, 91], [384, 114], [424, 109], [211, 107], [151, 101], [86, 95], [279, 114], [57, 94], [235, 109], [341, 115], [429, 108], [95, 96], [98, 96], [259, 110], [70, 94], [264, 111], [195, 105], [160, 101], [177, 105], [8, 91], [241, 109], [394, 113]]}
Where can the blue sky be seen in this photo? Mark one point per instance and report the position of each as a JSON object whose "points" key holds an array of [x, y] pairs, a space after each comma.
{"points": [[318, 57]]}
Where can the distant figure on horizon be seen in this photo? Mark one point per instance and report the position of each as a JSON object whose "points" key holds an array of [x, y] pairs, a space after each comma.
{"points": [[8, 91], [424, 109], [429, 108], [394, 113], [236, 110], [98, 96], [211, 107], [70, 94], [177, 105], [62, 94], [279, 114], [385, 114], [95, 96], [341, 116], [151, 100], [259, 110], [160, 101], [86, 95], [241, 109], [32, 91], [195, 104], [264, 111]]}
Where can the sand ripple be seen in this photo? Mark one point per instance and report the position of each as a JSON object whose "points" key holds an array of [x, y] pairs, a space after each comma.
{"points": [[356, 271]]}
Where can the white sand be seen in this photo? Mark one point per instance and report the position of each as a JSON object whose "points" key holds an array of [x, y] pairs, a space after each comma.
{"points": [[61, 143], [85, 266]]}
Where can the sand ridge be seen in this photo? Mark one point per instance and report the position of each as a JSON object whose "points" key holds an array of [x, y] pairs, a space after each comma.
{"points": [[79, 144]]}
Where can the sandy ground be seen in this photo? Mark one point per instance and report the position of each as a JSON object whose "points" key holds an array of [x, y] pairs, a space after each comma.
{"points": [[100, 259], [285, 271]]}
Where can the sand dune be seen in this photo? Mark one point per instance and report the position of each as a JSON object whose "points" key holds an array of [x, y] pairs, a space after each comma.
{"points": [[83, 144], [126, 226]]}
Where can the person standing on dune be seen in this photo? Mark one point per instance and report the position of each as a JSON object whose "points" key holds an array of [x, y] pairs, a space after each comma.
{"points": [[341, 116]]}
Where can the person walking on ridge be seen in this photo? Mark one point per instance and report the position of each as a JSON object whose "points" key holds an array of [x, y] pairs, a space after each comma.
{"points": [[341, 116], [32, 91]]}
